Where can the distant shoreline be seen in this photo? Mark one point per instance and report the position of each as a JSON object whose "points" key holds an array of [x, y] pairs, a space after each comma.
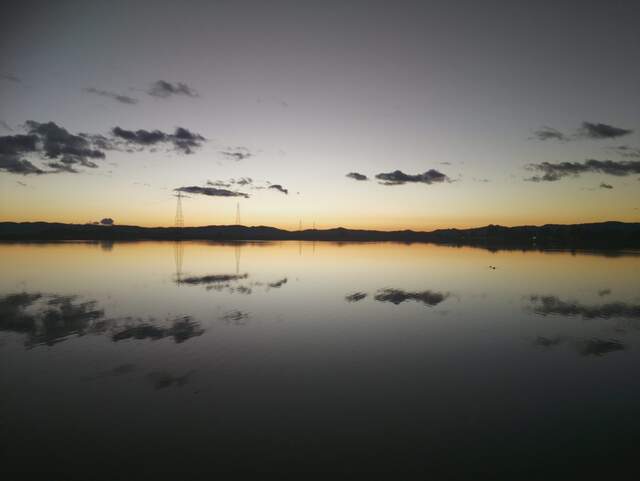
{"points": [[601, 235]]}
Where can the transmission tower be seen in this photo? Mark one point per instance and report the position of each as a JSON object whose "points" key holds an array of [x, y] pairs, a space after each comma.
{"points": [[238, 213], [179, 218]]}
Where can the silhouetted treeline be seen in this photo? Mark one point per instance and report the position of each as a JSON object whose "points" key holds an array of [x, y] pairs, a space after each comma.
{"points": [[597, 235]]}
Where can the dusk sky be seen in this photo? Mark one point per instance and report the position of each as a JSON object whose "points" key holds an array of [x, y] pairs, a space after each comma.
{"points": [[444, 113]]}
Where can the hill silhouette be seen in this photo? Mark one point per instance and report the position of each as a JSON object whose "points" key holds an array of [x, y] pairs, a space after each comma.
{"points": [[597, 235]]}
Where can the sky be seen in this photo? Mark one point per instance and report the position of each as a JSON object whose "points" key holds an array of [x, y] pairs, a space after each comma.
{"points": [[363, 114]]}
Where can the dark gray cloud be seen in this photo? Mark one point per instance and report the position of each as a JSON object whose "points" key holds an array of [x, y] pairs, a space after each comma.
{"points": [[549, 133], [211, 191], [602, 131], [587, 130], [398, 177], [182, 139], [355, 297], [552, 305], [163, 89], [278, 187], [357, 176], [218, 183], [123, 99], [236, 153], [63, 151], [604, 185], [626, 151], [398, 296], [552, 172]]}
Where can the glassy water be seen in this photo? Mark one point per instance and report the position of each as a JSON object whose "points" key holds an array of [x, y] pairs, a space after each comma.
{"points": [[130, 360]]}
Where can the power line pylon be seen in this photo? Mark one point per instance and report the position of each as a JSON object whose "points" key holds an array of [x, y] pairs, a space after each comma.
{"points": [[179, 217]]}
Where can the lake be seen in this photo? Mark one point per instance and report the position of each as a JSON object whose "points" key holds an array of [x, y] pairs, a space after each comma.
{"points": [[151, 359]]}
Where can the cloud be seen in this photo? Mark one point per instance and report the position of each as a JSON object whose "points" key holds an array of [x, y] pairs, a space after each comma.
{"points": [[63, 151], [398, 177], [243, 181], [218, 183], [626, 151], [398, 296], [552, 172], [5, 126], [123, 99], [355, 297], [357, 176], [552, 305], [236, 153], [164, 379], [211, 191], [163, 89], [182, 139], [602, 131], [11, 78], [549, 133], [278, 187], [10, 153], [605, 186]]}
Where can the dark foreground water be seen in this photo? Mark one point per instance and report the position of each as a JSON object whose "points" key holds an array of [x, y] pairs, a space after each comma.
{"points": [[155, 360]]}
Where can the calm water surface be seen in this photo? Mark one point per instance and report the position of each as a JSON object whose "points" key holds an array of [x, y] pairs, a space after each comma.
{"points": [[131, 360]]}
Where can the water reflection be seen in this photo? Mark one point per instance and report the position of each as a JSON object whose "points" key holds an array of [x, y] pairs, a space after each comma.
{"points": [[47, 319], [181, 330], [332, 359], [552, 305]]}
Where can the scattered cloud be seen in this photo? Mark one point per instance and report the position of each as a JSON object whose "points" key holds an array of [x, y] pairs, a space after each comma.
{"points": [[279, 188], [211, 191], [355, 297], [163, 89], [236, 153], [552, 172], [398, 177], [549, 133], [604, 185], [626, 151], [587, 130], [182, 139], [48, 141], [602, 131], [398, 296], [123, 99], [357, 176], [5, 126]]}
